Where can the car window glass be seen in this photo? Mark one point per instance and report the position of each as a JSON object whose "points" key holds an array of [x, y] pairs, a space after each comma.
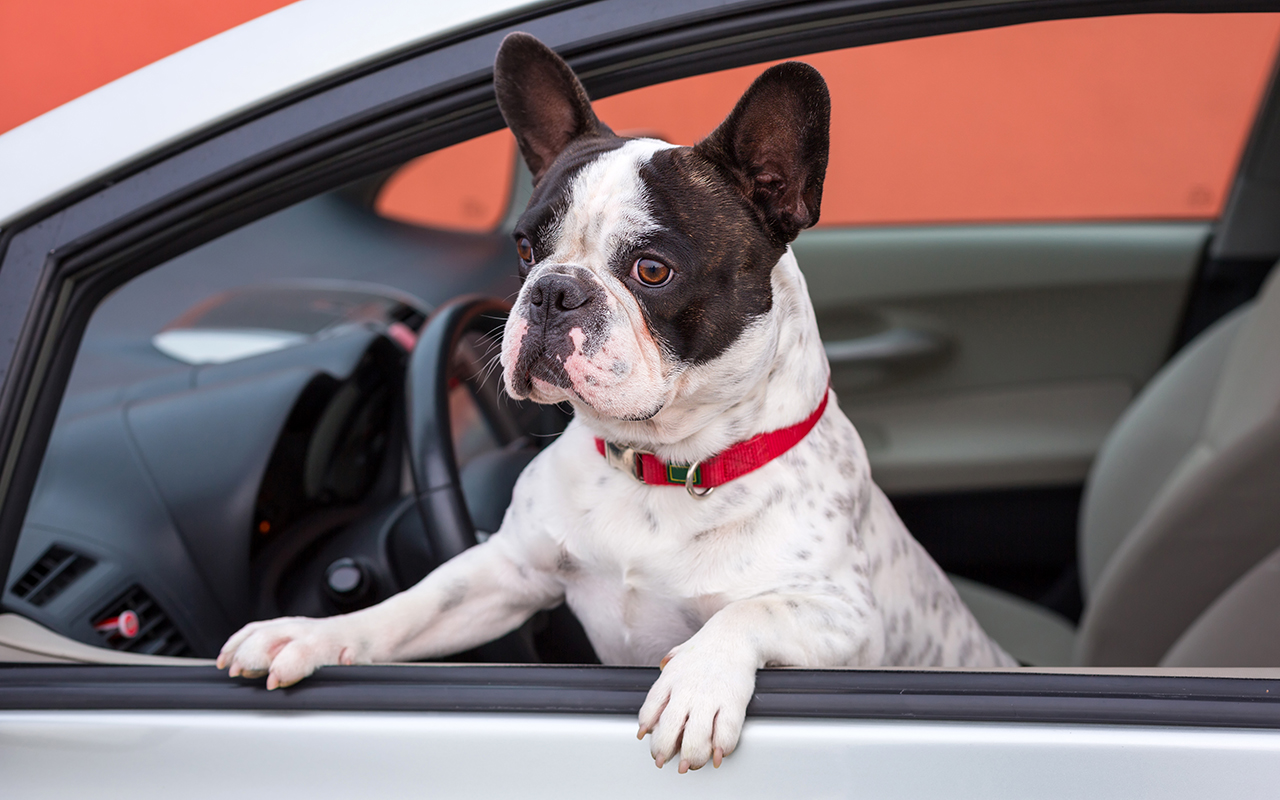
{"points": [[466, 187]]}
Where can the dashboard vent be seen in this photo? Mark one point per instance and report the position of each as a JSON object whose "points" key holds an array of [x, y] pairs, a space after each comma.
{"points": [[53, 572], [153, 632]]}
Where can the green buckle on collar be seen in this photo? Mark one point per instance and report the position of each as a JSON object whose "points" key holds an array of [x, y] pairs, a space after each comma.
{"points": [[679, 474]]}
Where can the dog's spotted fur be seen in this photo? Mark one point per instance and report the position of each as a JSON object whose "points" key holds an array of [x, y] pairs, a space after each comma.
{"points": [[802, 562]]}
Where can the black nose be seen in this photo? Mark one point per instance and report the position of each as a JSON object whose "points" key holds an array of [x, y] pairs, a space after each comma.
{"points": [[561, 291]]}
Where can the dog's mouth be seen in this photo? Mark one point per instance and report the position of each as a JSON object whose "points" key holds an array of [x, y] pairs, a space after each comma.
{"points": [[542, 378], [589, 358], [537, 368]]}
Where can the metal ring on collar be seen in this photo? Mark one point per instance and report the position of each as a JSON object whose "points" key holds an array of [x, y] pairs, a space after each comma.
{"points": [[688, 482]]}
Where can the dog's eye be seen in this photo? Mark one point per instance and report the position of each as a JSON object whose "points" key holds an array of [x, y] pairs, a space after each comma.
{"points": [[650, 272], [525, 248]]}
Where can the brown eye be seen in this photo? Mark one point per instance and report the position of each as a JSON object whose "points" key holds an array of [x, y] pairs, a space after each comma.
{"points": [[525, 248], [650, 272]]}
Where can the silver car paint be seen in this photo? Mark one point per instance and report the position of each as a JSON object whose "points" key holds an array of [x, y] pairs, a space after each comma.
{"points": [[197, 754]]}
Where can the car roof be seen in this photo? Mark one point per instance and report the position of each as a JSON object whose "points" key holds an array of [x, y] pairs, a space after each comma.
{"points": [[214, 80]]}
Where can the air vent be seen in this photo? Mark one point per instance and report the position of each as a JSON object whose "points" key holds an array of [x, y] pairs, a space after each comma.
{"points": [[53, 572], [153, 632]]}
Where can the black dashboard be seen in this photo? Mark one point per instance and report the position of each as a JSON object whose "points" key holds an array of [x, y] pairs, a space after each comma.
{"points": [[231, 447], [174, 509]]}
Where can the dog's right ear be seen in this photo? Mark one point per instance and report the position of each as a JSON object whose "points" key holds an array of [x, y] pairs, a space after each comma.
{"points": [[542, 101]]}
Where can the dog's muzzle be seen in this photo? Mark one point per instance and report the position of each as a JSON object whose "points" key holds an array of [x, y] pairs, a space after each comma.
{"points": [[555, 305]]}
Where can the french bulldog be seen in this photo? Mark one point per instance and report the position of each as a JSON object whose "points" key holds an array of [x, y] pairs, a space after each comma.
{"points": [[709, 509]]}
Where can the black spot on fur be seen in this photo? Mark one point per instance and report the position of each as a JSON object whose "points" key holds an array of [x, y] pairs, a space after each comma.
{"points": [[722, 257], [565, 563], [844, 505]]}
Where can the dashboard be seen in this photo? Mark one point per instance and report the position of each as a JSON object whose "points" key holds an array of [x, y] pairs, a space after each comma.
{"points": [[173, 509]]}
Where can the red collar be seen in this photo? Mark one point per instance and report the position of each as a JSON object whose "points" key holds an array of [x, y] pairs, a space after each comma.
{"points": [[721, 468]]}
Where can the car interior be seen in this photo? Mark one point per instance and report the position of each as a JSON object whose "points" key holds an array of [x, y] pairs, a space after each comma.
{"points": [[1071, 395]]}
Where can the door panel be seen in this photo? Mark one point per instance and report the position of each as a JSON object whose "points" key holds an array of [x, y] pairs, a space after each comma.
{"points": [[215, 754], [1018, 346]]}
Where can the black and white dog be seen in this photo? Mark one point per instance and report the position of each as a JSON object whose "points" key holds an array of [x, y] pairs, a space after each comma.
{"points": [[661, 299]]}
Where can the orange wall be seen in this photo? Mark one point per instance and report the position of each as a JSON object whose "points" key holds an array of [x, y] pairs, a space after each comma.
{"points": [[1118, 117], [1113, 118], [52, 51]]}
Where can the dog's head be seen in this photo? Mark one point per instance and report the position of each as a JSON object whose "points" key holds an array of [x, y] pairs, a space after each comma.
{"points": [[640, 259]]}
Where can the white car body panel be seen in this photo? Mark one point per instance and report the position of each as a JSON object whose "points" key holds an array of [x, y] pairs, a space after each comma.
{"points": [[218, 754], [208, 82]]}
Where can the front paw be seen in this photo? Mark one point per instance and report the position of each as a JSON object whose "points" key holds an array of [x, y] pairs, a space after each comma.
{"points": [[286, 650], [697, 706]]}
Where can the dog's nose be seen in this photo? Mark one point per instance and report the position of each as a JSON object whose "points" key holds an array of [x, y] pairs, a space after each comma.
{"points": [[559, 292]]}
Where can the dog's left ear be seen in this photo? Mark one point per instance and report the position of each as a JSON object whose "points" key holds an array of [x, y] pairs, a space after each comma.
{"points": [[542, 101], [774, 145]]}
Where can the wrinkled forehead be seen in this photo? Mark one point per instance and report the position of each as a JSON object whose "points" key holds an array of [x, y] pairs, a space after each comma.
{"points": [[595, 202]]}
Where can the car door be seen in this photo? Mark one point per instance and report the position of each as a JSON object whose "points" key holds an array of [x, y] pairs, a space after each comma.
{"points": [[142, 726]]}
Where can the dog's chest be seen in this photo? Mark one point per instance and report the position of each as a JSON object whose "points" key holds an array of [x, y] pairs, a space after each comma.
{"points": [[644, 567]]}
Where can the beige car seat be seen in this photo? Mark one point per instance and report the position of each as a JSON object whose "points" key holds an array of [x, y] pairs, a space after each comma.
{"points": [[1180, 518]]}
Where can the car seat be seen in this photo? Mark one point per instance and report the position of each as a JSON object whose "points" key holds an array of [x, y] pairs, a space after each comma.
{"points": [[1179, 543]]}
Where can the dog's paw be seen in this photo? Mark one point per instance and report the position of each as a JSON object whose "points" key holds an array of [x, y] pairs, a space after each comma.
{"points": [[697, 705], [286, 650]]}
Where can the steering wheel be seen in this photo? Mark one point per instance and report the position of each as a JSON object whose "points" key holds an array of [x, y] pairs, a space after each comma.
{"points": [[440, 500], [433, 373]]}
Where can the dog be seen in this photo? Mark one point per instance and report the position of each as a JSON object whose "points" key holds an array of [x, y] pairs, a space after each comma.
{"points": [[709, 509]]}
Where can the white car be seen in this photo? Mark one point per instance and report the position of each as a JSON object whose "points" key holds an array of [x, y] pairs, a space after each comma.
{"points": [[1067, 377]]}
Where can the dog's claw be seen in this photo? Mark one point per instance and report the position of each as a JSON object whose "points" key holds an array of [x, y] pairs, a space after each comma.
{"points": [[643, 731], [659, 761], [717, 757], [684, 766]]}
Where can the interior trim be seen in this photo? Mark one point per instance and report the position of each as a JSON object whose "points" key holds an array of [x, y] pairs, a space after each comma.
{"points": [[950, 695]]}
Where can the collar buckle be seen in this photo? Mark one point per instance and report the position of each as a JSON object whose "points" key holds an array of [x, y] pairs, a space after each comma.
{"points": [[627, 459]]}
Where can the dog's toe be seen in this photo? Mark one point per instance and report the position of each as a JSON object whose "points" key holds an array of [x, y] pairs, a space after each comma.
{"points": [[285, 650], [295, 661], [665, 740], [696, 744], [696, 708]]}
